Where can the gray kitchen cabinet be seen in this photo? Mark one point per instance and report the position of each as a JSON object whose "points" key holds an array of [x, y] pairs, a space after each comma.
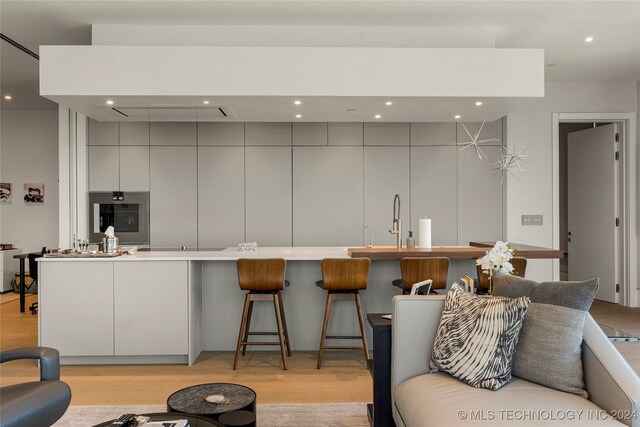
{"points": [[386, 173], [220, 196], [134, 133], [433, 133], [102, 133], [267, 133], [211, 133], [156, 329], [328, 196], [134, 168], [479, 197], [433, 192], [309, 134], [386, 133], [173, 133], [174, 197], [346, 134], [490, 130], [268, 195], [104, 167]]}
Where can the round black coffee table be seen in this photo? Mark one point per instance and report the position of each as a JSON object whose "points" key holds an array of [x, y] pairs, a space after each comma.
{"points": [[191, 400], [194, 420]]}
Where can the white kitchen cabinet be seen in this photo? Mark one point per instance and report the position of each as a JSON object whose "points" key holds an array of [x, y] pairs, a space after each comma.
{"points": [[267, 133], [386, 173], [479, 197], [173, 133], [134, 133], [158, 328], [433, 133], [76, 310], [134, 168], [211, 133], [102, 133], [104, 168], [386, 133], [268, 195], [434, 192], [490, 130], [220, 196], [346, 133], [328, 196], [309, 134], [174, 197]]}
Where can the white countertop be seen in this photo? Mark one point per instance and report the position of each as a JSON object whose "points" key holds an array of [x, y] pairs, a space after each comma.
{"points": [[228, 254]]}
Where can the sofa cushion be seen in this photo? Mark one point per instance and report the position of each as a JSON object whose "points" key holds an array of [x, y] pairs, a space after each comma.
{"points": [[477, 337], [439, 400], [548, 350], [33, 404]]}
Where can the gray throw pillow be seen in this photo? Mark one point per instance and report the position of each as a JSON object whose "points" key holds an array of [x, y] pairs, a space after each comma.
{"points": [[477, 337], [549, 349]]}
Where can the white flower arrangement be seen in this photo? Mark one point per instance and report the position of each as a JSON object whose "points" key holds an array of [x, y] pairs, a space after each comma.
{"points": [[497, 258]]}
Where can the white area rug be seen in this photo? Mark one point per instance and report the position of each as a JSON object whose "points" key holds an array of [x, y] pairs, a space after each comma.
{"points": [[269, 414]]}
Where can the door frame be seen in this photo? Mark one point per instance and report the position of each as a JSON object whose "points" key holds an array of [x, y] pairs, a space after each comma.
{"points": [[630, 295]]}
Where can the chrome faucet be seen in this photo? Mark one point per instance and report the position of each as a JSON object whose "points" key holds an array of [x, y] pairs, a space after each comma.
{"points": [[397, 222], [370, 245]]}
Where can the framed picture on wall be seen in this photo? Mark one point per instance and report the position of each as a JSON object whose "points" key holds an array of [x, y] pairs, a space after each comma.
{"points": [[33, 192], [5, 192]]}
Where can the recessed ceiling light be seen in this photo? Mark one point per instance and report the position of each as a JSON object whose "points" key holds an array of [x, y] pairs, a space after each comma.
{"points": [[205, 102], [478, 103], [457, 116], [297, 102], [298, 116], [388, 103], [588, 39], [8, 97], [109, 102], [378, 116]]}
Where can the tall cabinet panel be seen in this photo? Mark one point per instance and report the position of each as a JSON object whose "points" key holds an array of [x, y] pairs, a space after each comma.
{"points": [[174, 197], [490, 132], [220, 196], [386, 173], [104, 168], [102, 133], [134, 168], [268, 195], [433, 192], [479, 197], [328, 196]]}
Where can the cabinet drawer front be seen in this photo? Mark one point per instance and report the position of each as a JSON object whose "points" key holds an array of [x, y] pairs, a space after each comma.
{"points": [[151, 308], [76, 307]]}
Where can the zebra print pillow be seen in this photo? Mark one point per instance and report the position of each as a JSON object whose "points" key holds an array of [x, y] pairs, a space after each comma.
{"points": [[477, 337]]}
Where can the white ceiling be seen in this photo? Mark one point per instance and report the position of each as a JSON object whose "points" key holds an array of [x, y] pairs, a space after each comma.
{"points": [[557, 26]]}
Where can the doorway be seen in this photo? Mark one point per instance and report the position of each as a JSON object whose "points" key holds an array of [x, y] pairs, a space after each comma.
{"points": [[591, 204]]}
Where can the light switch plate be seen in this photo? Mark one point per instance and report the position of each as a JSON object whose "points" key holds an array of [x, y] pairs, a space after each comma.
{"points": [[531, 219]]}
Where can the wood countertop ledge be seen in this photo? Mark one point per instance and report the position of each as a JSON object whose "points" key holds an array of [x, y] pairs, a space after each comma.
{"points": [[473, 251]]}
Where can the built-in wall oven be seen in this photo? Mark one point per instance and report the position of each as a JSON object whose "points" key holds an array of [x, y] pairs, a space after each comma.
{"points": [[127, 212]]}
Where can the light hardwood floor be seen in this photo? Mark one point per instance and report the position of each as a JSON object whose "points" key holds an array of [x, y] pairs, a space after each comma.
{"points": [[343, 377]]}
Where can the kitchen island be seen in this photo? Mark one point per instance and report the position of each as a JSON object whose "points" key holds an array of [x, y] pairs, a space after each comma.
{"points": [[168, 307]]}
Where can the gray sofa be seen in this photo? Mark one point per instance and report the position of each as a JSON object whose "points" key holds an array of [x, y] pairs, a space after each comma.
{"points": [[36, 403], [423, 399]]}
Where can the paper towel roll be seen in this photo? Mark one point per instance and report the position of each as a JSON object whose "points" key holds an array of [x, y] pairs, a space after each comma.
{"points": [[424, 233]]}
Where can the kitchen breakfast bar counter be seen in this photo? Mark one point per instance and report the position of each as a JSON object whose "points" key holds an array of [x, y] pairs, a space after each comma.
{"points": [[169, 306]]}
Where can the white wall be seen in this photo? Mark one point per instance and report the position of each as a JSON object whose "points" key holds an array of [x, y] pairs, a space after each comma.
{"points": [[637, 183], [531, 127], [29, 153]]}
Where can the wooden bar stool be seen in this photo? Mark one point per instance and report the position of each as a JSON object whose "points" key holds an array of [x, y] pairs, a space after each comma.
{"points": [[264, 279], [343, 279], [416, 270], [519, 268]]}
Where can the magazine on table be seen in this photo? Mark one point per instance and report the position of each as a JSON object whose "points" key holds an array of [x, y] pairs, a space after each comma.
{"points": [[167, 423]]}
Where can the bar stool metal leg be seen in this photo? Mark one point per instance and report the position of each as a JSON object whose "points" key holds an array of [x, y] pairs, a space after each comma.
{"points": [[327, 313], [248, 328], [277, 306], [284, 323], [243, 327], [362, 330]]}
